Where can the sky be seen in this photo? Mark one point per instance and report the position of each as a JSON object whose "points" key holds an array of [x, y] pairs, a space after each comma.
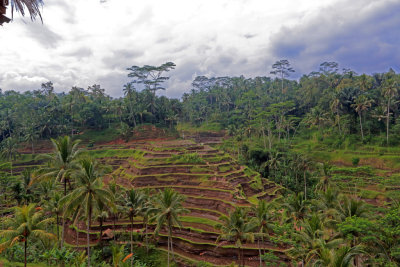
{"points": [[86, 42]]}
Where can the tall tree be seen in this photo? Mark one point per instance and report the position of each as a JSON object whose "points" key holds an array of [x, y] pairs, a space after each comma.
{"points": [[282, 69], [168, 207], [26, 223], [9, 151], [389, 91], [151, 78], [237, 229], [262, 218], [134, 200], [88, 194], [362, 104]]}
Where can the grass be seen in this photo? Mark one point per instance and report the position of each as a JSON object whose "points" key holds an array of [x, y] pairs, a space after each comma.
{"points": [[191, 219], [7, 263], [192, 158], [99, 136], [119, 153]]}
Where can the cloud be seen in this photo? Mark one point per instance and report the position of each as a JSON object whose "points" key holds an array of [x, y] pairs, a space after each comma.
{"points": [[80, 52], [43, 35], [364, 37], [85, 42]]}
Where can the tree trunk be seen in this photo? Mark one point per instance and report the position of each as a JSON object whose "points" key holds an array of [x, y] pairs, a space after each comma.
{"points": [[362, 133], [259, 251], [77, 236], [33, 150], [269, 138], [25, 245], [145, 236], [305, 186], [263, 133], [101, 229], [387, 123], [168, 250], [340, 131], [239, 258], [114, 219], [58, 229], [65, 186], [88, 236], [131, 218], [63, 231]]}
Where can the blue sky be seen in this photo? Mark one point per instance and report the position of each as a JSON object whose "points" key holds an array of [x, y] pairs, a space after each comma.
{"points": [[84, 42]]}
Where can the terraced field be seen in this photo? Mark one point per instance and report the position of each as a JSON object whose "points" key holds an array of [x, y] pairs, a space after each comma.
{"points": [[213, 186]]}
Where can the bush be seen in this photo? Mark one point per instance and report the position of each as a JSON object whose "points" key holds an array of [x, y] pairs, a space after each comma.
{"points": [[355, 161]]}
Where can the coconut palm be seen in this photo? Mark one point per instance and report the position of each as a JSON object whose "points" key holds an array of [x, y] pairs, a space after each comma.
{"points": [[62, 162], [53, 206], [116, 199], [88, 194], [362, 104], [235, 228], [102, 215], [147, 212], [262, 218], [331, 256], [389, 91], [296, 206], [9, 151], [168, 206], [33, 7], [134, 200], [351, 207], [30, 136], [28, 221]]}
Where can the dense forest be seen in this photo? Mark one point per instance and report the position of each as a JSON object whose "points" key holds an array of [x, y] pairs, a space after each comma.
{"points": [[274, 125]]}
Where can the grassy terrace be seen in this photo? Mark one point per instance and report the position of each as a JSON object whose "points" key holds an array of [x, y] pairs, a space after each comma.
{"points": [[376, 176], [212, 181]]}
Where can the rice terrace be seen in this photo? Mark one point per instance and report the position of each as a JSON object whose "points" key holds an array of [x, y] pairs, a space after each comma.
{"points": [[199, 133]]}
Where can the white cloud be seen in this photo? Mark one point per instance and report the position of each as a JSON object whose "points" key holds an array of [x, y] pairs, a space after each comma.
{"points": [[85, 41]]}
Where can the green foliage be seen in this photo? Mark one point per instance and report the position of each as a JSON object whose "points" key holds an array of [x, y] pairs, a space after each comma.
{"points": [[191, 158], [355, 161]]}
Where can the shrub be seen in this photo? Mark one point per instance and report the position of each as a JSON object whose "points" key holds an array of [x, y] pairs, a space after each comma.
{"points": [[355, 161]]}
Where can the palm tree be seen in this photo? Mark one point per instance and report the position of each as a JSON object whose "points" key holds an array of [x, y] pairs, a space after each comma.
{"points": [[62, 162], [146, 212], [389, 91], [352, 207], [27, 222], [30, 136], [116, 199], [134, 200], [168, 206], [88, 194], [33, 7], [303, 164], [262, 218], [335, 107], [336, 257], [102, 215], [362, 103], [235, 228], [53, 206], [296, 206], [9, 151]]}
